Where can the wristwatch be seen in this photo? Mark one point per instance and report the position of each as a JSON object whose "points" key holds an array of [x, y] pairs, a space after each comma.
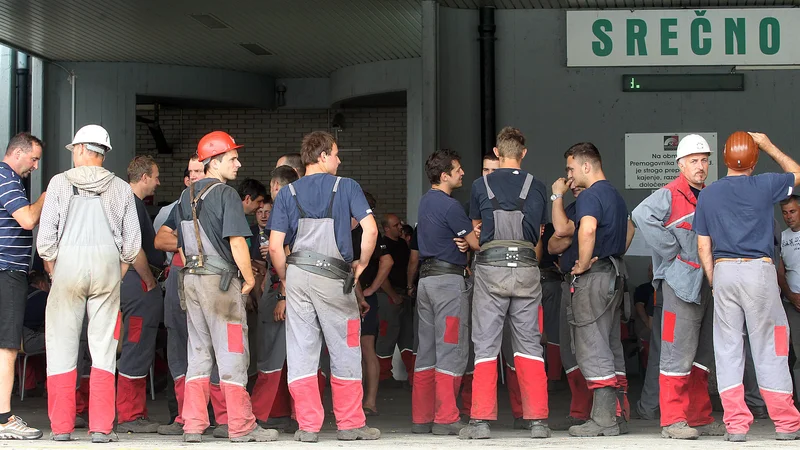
{"points": [[281, 297], [555, 196]]}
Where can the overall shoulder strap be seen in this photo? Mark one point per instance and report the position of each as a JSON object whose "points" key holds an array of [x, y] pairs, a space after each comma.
{"points": [[303, 214], [329, 212], [490, 193], [526, 187]]}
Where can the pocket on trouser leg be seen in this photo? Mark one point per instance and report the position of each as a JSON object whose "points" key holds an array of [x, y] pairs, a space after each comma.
{"points": [[353, 332], [668, 327], [781, 341], [235, 338], [451, 329], [134, 329]]}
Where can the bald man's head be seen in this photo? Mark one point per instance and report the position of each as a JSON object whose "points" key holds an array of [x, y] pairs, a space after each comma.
{"points": [[392, 226], [294, 160]]}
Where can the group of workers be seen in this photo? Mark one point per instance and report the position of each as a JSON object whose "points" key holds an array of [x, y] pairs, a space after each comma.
{"points": [[481, 289]]}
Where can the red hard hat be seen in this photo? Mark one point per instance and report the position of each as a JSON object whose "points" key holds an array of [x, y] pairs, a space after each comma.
{"points": [[740, 151], [215, 143]]}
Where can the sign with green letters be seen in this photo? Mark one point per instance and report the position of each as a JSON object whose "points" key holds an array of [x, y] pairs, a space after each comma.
{"points": [[683, 37]]}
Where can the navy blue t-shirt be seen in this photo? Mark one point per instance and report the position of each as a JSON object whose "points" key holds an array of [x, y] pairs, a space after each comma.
{"points": [[441, 219], [507, 185], [570, 255], [604, 203], [737, 212], [548, 260], [314, 194]]}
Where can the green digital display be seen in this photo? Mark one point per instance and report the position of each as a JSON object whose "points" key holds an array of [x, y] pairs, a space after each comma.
{"points": [[682, 83]]}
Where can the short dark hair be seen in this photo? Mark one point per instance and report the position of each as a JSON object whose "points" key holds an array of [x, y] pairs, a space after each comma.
{"points": [[314, 144], [295, 161], [23, 141], [510, 143], [35, 277], [791, 198], [186, 173], [140, 166], [253, 188], [585, 151], [370, 200], [490, 156], [408, 229], [439, 162], [284, 175]]}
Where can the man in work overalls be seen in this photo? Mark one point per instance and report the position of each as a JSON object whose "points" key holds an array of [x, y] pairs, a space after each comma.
{"points": [[313, 216], [174, 315], [142, 309], [211, 237], [442, 299], [734, 224], [597, 286], [89, 225], [665, 220], [509, 205]]}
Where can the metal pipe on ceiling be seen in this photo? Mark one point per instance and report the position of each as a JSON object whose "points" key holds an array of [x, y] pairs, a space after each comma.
{"points": [[22, 113], [486, 33]]}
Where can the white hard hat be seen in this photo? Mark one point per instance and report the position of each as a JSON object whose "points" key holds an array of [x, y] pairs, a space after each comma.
{"points": [[690, 144], [94, 136]]}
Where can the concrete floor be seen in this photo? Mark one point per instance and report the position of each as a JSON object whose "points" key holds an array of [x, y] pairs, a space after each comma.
{"points": [[395, 424]]}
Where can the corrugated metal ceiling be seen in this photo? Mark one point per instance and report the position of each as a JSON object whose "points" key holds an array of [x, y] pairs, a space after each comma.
{"points": [[308, 38]]}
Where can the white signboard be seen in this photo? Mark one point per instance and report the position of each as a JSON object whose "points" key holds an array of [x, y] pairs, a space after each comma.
{"points": [[683, 37], [650, 159]]}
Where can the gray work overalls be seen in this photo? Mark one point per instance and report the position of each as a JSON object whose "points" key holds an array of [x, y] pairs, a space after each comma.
{"points": [[217, 327], [86, 280], [317, 308], [508, 284]]}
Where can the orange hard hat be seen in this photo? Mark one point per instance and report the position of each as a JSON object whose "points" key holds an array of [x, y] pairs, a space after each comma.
{"points": [[741, 151], [215, 143]]}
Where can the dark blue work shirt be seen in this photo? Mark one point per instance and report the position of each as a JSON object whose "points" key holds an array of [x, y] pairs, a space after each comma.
{"points": [[548, 261], [737, 212], [314, 194], [570, 255], [604, 203], [507, 185], [441, 219]]}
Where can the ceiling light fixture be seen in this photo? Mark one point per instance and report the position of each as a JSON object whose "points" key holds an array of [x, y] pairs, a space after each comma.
{"points": [[209, 21], [256, 49]]}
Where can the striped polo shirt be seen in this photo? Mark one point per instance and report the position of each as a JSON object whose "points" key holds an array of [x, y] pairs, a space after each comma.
{"points": [[15, 242]]}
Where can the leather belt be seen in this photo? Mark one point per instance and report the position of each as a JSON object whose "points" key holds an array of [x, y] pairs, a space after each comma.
{"points": [[507, 257], [432, 267], [320, 264], [769, 260]]}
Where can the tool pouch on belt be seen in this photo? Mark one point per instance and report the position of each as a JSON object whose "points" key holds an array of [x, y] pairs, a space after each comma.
{"points": [[611, 267], [181, 296], [349, 283], [325, 266]]}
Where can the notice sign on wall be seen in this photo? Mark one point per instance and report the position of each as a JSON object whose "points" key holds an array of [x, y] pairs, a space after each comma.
{"points": [[683, 37], [650, 159]]}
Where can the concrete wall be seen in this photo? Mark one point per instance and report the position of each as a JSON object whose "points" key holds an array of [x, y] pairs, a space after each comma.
{"points": [[556, 106], [379, 135], [106, 94]]}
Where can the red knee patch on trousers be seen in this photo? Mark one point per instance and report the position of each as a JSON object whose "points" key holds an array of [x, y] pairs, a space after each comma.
{"points": [[353, 332], [541, 319], [235, 338], [781, 341], [118, 326], [668, 332], [451, 327], [383, 327], [135, 328]]}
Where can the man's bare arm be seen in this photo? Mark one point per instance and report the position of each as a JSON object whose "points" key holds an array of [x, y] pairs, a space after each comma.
{"points": [[142, 267], [586, 240], [28, 216], [277, 253], [166, 240], [629, 235], [706, 257], [385, 264], [558, 245], [413, 265], [241, 254], [787, 164]]}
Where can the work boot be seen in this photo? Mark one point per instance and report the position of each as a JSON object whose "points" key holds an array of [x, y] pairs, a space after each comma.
{"points": [[735, 437], [305, 436], [173, 429], [221, 431], [192, 437], [103, 438], [61, 437], [539, 429], [680, 430], [16, 428], [364, 433], [521, 424], [603, 421], [446, 429], [477, 429], [140, 425], [258, 435], [80, 422], [712, 429], [623, 425], [422, 428], [788, 436], [282, 424], [567, 423]]}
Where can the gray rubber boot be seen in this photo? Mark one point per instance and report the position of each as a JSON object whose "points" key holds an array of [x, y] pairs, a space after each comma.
{"points": [[603, 421]]}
